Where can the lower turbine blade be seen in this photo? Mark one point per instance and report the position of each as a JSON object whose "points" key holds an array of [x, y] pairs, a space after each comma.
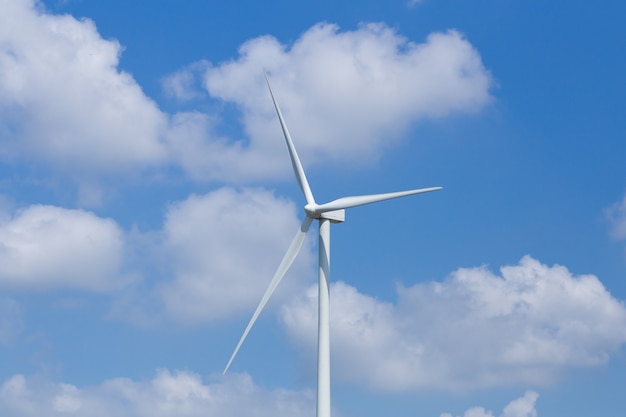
{"points": [[360, 200], [290, 256]]}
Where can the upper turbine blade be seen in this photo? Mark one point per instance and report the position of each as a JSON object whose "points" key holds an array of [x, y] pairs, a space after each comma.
{"points": [[290, 256], [360, 200], [295, 161]]}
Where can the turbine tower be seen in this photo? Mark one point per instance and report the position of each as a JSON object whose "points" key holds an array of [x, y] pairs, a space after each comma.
{"points": [[332, 212]]}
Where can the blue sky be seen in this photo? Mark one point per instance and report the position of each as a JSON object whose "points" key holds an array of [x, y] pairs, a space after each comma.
{"points": [[146, 198]]}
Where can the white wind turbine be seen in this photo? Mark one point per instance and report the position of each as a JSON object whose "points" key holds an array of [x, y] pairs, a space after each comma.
{"points": [[332, 212]]}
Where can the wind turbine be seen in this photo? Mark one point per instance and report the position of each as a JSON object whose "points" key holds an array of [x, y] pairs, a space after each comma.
{"points": [[332, 212]]}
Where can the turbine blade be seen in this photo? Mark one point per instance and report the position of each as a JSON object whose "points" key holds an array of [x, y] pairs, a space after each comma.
{"points": [[295, 160], [290, 256], [360, 200]]}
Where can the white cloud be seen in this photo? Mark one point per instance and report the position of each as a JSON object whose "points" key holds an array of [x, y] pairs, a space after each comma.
{"points": [[195, 146], [212, 259], [49, 247], [616, 216], [520, 407], [223, 249], [176, 393], [183, 85], [63, 100], [475, 329], [179, 393], [349, 94], [65, 104]]}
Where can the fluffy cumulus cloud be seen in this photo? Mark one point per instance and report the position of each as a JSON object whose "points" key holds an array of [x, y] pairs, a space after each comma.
{"points": [[346, 94], [43, 247], [520, 407], [179, 393], [166, 394], [65, 104], [183, 85], [63, 100], [222, 249], [616, 216], [213, 257], [528, 325]]}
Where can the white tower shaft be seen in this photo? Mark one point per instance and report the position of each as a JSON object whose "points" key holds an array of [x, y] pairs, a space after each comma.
{"points": [[323, 331]]}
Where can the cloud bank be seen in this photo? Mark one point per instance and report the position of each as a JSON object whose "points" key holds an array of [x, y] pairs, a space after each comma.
{"points": [[66, 105], [179, 393], [167, 394], [212, 258], [521, 407], [216, 252], [527, 326], [347, 95]]}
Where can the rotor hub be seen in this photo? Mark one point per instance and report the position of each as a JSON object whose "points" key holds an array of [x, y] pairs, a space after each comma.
{"points": [[311, 211]]}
